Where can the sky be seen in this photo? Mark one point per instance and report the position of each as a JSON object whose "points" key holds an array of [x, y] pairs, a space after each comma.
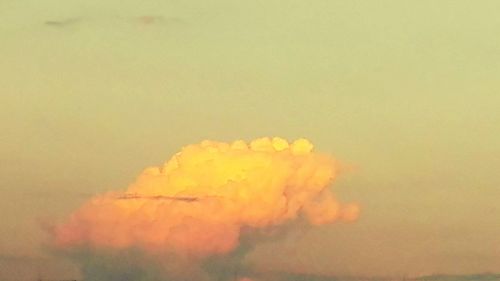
{"points": [[405, 93]]}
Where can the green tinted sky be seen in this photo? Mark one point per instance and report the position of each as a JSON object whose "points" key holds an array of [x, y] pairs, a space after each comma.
{"points": [[406, 91]]}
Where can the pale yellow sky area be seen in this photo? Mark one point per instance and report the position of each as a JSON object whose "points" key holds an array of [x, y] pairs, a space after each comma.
{"points": [[408, 92]]}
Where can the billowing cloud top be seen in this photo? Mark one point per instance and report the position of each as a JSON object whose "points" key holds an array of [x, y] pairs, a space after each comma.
{"points": [[199, 202]]}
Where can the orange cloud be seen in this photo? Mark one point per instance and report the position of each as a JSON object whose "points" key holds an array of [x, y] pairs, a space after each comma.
{"points": [[198, 202]]}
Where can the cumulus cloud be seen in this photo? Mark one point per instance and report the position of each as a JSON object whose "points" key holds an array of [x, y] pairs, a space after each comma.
{"points": [[196, 216]]}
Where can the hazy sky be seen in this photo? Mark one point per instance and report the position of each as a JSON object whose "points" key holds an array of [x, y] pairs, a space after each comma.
{"points": [[408, 92]]}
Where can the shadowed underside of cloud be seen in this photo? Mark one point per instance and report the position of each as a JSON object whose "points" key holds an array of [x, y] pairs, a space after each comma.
{"points": [[471, 277], [19, 258], [133, 266], [286, 276]]}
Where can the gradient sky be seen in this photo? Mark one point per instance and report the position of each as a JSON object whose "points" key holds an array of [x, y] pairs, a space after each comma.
{"points": [[407, 92]]}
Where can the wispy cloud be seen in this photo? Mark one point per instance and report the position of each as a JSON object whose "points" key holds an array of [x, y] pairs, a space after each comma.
{"points": [[160, 20], [62, 22], [147, 19]]}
